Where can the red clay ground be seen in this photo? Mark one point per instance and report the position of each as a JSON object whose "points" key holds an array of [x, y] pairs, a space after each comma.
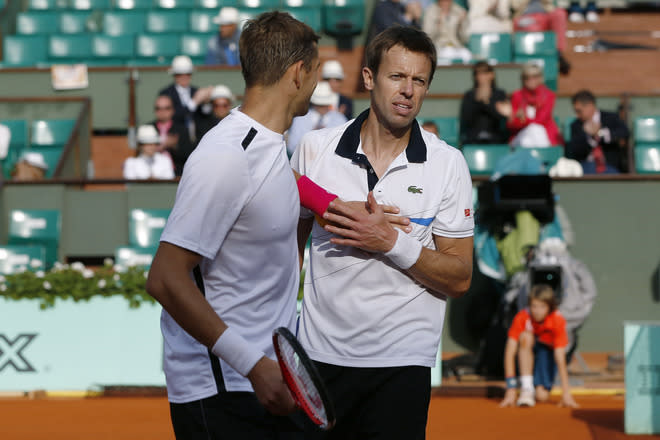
{"points": [[478, 418]]}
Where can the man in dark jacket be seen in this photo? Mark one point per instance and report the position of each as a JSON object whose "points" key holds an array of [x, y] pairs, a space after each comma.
{"points": [[598, 138]]}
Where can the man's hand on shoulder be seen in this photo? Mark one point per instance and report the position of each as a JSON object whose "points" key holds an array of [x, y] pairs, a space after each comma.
{"points": [[270, 388]]}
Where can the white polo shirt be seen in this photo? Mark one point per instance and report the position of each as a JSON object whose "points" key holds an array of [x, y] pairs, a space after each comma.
{"points": [[359, 309], [237, 206]]}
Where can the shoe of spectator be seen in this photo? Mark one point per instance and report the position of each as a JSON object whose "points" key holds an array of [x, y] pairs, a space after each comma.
{"points": [[526, 399], [591, 12], [575, 13]]}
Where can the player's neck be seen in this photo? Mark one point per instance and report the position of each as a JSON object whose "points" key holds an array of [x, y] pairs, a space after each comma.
{"points": [[267, 108], [380, 144]]}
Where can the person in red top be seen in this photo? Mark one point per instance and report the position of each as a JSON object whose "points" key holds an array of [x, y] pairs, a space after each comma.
{"points": [[538, 336], [530, 119]]}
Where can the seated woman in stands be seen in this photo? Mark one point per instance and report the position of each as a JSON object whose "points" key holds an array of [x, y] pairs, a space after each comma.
{"points": [[484, 109], [530, 122], [149, 162]]}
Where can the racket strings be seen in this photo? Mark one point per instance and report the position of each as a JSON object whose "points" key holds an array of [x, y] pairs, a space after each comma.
{"points": [[308, 391]]}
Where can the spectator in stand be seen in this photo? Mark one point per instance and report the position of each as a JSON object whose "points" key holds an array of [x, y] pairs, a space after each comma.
{"points": [[484, 109], [485, 16], [431, 127], [540, 16], [320, 115], [187, 99], [333, 73], [577, 14], [31, 166], [174, 136], [222, 101], [148, 163], [446, 23], [598, 138], [530, 122], [222, 49], [390, 12]]}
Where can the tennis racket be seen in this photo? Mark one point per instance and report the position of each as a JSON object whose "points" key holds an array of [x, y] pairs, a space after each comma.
{"points": [[303, 379]]}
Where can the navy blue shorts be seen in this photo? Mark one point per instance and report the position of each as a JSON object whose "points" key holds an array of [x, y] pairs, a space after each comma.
{"points": [[545, 367]]}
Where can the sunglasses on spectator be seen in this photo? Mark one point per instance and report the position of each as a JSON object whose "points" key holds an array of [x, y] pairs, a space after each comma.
{"points": [[221, 104], [163, 108]]}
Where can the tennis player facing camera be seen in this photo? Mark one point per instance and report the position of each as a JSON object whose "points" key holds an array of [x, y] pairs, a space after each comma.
{"points": [[374, 295], [226, 270]]}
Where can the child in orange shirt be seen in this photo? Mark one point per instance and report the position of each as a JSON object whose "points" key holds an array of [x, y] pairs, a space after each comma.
{"points": [[538, 336]]}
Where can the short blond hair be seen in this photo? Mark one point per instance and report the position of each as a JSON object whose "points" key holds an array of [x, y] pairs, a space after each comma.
{"points": [[545, 293], [531, 69]]}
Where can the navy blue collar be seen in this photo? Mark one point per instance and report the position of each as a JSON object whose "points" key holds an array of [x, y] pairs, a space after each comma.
{"points": [[349, 141]]}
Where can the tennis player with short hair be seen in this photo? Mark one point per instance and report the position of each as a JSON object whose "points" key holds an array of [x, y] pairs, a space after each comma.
{"points": [[226, 270], [374, 296]]}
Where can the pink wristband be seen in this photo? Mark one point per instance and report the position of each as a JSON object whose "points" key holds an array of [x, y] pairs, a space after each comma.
{"points": [[313, 197]]}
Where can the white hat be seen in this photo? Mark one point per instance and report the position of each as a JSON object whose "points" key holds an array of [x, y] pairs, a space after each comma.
{"points": [[323, 94], [227, 15], [181, 64], [35, 159], [222, 91], [332, 70], [147, 134], [566, 168]]}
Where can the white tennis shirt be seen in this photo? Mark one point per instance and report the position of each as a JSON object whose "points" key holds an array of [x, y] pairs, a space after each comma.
{"points": [[237, 206], [359, 309]]}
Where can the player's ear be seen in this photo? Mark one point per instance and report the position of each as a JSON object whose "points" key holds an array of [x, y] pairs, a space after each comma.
{"points": [[368, 78], [297, 71]]}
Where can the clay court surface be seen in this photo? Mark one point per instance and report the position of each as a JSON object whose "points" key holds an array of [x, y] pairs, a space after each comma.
{"points": [[465, 418]]}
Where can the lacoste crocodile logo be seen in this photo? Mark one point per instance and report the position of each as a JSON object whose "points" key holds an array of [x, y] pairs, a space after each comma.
{"points": [[413, 189]]}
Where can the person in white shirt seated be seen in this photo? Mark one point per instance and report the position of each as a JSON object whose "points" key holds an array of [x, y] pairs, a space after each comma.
{"points": [[149, 163], [320, 115]]}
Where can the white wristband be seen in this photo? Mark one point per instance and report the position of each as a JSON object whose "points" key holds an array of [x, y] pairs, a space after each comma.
{"points": [[406, 250], [236, 351]]}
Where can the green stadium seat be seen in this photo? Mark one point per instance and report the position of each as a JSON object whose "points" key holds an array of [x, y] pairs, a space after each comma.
{"points": [[24, 50], [36, 228], [647, 130], [17, 259], [548, 156], [310, 16], [123, 22], [112, 49], [481, 159], [647, 159], [447, 129], [175, 4], [292, 4], [194, 45], [67, 48], [145, 227], [156, 49], [51, 132], [128, 256], [259, 4], [343, 19], [51, 155], [17, 143], [215, 4], [535, 43], [202, 22], [36, 22], [162, 21], [73, 22], [90, 4], [249, 13], [567, 127], [134, 4], [47, 4], [491, 47]]}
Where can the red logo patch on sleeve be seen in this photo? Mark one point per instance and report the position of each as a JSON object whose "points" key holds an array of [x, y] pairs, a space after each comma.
{"points": [[467, 212]]}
